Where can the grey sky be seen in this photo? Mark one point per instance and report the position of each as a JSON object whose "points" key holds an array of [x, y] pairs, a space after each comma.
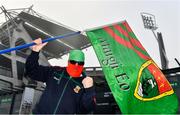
{"points": [[81, 15]]}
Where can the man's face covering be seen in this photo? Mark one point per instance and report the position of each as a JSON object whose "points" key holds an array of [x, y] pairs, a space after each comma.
{"points": [[75, 63]]}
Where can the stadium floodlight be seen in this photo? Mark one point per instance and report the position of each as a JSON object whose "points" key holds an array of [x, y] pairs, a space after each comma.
{"points": [[149, 21]]}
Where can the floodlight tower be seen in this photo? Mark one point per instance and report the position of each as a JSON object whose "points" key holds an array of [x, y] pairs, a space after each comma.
{"points": [[150, 23]]}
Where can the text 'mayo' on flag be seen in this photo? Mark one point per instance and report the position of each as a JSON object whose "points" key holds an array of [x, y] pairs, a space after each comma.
{"points": [[136, 82]]}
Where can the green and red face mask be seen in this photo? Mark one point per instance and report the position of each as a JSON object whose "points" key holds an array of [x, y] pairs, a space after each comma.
{"points": [[75, 63]]}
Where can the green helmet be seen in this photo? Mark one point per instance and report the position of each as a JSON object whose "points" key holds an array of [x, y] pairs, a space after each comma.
{"points": [[76, 55]]}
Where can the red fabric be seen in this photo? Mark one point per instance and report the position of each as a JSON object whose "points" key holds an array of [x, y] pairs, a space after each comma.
{"points": [[163, 84], [74, 70]]}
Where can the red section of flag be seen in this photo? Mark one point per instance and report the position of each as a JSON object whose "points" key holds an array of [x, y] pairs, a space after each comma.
{"points": [[118, 38], [127, 26], [141, 55], [163, 85], [124, 42], [133, 41]]}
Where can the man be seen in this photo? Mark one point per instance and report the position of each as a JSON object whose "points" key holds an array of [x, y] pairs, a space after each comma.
{"points": [[67, 90]]}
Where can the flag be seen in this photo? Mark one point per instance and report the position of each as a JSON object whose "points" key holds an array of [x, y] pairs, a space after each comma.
{"points": [[135, 80]]}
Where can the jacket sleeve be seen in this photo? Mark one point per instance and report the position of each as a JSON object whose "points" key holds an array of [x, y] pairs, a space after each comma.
{"points": [[36, 71], [88, 101]]}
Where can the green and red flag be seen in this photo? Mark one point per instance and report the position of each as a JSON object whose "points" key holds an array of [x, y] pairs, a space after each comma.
{"points": [[136, 82]]}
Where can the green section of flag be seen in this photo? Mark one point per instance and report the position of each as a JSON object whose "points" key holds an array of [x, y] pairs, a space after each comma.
{"points": [[121, 56], [149, 90]]}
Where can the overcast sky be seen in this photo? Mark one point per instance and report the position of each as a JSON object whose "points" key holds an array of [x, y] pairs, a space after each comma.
{"points": [[87, 14]]}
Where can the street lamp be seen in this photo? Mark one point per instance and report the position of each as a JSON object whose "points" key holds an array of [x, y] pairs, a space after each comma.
{"points": [[150, 23]]}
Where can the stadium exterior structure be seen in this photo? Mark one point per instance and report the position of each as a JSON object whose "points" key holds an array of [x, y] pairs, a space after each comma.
{"points": [[22, 26]]}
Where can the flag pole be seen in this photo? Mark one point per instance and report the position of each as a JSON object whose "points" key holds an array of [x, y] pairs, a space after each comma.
{"points": [[50, 39], [43, 41]]}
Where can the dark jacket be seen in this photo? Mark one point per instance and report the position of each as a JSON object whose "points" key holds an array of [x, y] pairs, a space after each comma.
{"points": [[62, 94]]}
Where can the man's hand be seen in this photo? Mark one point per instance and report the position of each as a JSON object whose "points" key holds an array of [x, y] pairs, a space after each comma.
{"points": [[38, 45], [87, 82]]}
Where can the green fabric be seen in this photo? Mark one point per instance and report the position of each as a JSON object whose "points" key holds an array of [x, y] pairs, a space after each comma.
{"points": [[136, 82], [76, 55]]}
